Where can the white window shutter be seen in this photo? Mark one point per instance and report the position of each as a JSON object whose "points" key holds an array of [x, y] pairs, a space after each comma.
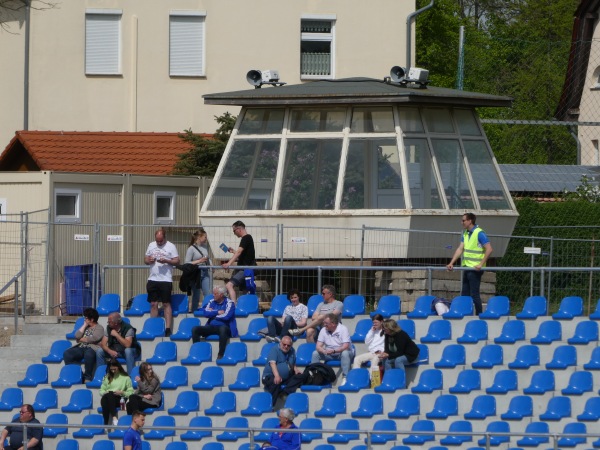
{"points": [[102, 44], [186, 48]]}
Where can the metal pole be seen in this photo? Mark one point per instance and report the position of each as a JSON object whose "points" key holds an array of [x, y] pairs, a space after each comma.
{"points": [[25, 259], [461, 59], [550, 265], [46, 266], [430, 281], [531, 273], [362, 258], [16, 306], [96, 265], [320, 278]]}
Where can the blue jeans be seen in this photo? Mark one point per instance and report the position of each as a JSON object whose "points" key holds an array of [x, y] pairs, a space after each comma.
{"points": [[345, 359], [397, 363], [275, 327], [130, 355], [74, 355], [205, 289], [470, 286]]}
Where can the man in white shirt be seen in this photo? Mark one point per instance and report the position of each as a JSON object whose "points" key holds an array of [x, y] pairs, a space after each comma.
{"points": [[327, 306], [334, 344]]}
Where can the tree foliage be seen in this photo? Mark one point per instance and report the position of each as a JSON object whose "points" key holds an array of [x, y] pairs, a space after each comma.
{"points": [[205, 154]]}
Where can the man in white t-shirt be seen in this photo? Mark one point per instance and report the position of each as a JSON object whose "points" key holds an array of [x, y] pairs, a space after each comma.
{"points": [[294, 315], [161, 256]]}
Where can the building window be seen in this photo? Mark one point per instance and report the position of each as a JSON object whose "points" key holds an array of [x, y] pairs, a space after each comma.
{"points": [[317, 45], [103, 42], [164, 207], [67, 205], [186, 43]]}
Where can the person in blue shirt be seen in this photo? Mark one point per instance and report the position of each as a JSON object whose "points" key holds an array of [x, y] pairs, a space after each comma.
{"points": [[280, 367], [132, 439], [220, 312], [280, 440]]}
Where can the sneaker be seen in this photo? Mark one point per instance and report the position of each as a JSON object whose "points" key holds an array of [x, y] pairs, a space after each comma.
{"points": [[343, 381], [295, 332], [115, 421], [276, 339], [270, 339]]}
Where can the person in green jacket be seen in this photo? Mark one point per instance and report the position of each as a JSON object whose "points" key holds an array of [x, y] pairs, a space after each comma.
{"points": [[116, 384]]}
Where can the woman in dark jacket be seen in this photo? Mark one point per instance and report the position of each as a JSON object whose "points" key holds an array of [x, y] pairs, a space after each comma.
{"points": [[399, 349], [148, 393]]}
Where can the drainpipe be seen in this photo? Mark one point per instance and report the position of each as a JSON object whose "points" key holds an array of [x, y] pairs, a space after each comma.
{"points": [[409, 32], [26, 66]]}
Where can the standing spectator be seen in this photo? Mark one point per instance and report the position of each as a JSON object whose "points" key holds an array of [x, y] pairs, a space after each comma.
{"points": [[148, 392], [118, 342], [399, 349], [334, 344], [327, 306], [244, 256], [474, 251], [221, 320], [280, 440], [375, 340], [280, 367], [116, 384], [197, 254], [294, 316], [132, 439], [161, 256], [15, 432], [89, 338]]}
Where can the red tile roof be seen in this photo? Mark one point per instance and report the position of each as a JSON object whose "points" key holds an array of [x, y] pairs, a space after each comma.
{"points": [[96, 152]]}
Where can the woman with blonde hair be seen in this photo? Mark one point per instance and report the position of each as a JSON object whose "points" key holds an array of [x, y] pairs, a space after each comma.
{"points": [[399, 348], [197, 254], [148, 392]]}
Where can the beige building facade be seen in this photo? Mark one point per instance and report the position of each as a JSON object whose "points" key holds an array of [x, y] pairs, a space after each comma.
{"points": [[122, 65]]}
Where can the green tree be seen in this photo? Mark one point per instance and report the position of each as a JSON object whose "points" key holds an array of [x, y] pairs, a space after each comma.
{"points": [[205, 154]]}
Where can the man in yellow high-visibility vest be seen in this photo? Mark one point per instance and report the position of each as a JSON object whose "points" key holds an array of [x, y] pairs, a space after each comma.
{"points": [[474, 251]]}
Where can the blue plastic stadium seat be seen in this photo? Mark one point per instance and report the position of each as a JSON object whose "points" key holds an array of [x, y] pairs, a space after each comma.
{"points": [[55, 355], [527, 356], [264, 436], [223, 403], [246, 304], [235, 353], [259, 403], [11, 398], [153, 327], [445, 405], [542, 381], [548, 332], [45, 399], [483, 406], [534, 441], [569, 308], [496, 427], [164, 352], [476, 330], [179, 304], [81, 399], [124, 421], [422, 308], [388, 306], [423, 357], [354, 305], [35, 374], [184, 332], [312, 303], [460, 426], [211, 377], [594, 362], [247, 377], [596, 314], [98, 376], [139, 306], [356, 380], [175, 377], [439, 330], [407, 405], [103, 445], [278, 304], [573, 441], [255, 325], [585, 332], [108, 303], [579, 383], [187, 402], [453, 355], [234, 422], [310, 424], [199, 352], [512, 331], [370, 404], [383, 425], [266, 348], [591, 410], [504, 381], [345, 425], [68, 376], [361, 329], [161, 407], [498, 306], [77, 326], [533, 308], [54, 423], [520, 406], [557, 409], [88, 433], [467, 381], [68, 444], [176, 446], [213, 446], [297, 402], [196, 435], [429, 381], [200, 311], [393, 380], [460, 307], [333, 404], [420, 439], [160, 421], [564, 356], [408, 325], [489, 356]]}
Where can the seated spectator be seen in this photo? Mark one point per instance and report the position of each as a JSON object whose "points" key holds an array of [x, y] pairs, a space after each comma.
{"points": [[88, 338], [280, 367], [148, 392], [280, 440], [374, 339], [327, 306], [116, 384], [221, 320], [294, 316], [119, 342], [399, 348], [334, 344], [15, 433]]}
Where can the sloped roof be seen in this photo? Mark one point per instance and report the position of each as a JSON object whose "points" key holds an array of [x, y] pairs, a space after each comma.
{"points": [[93, 152]]}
